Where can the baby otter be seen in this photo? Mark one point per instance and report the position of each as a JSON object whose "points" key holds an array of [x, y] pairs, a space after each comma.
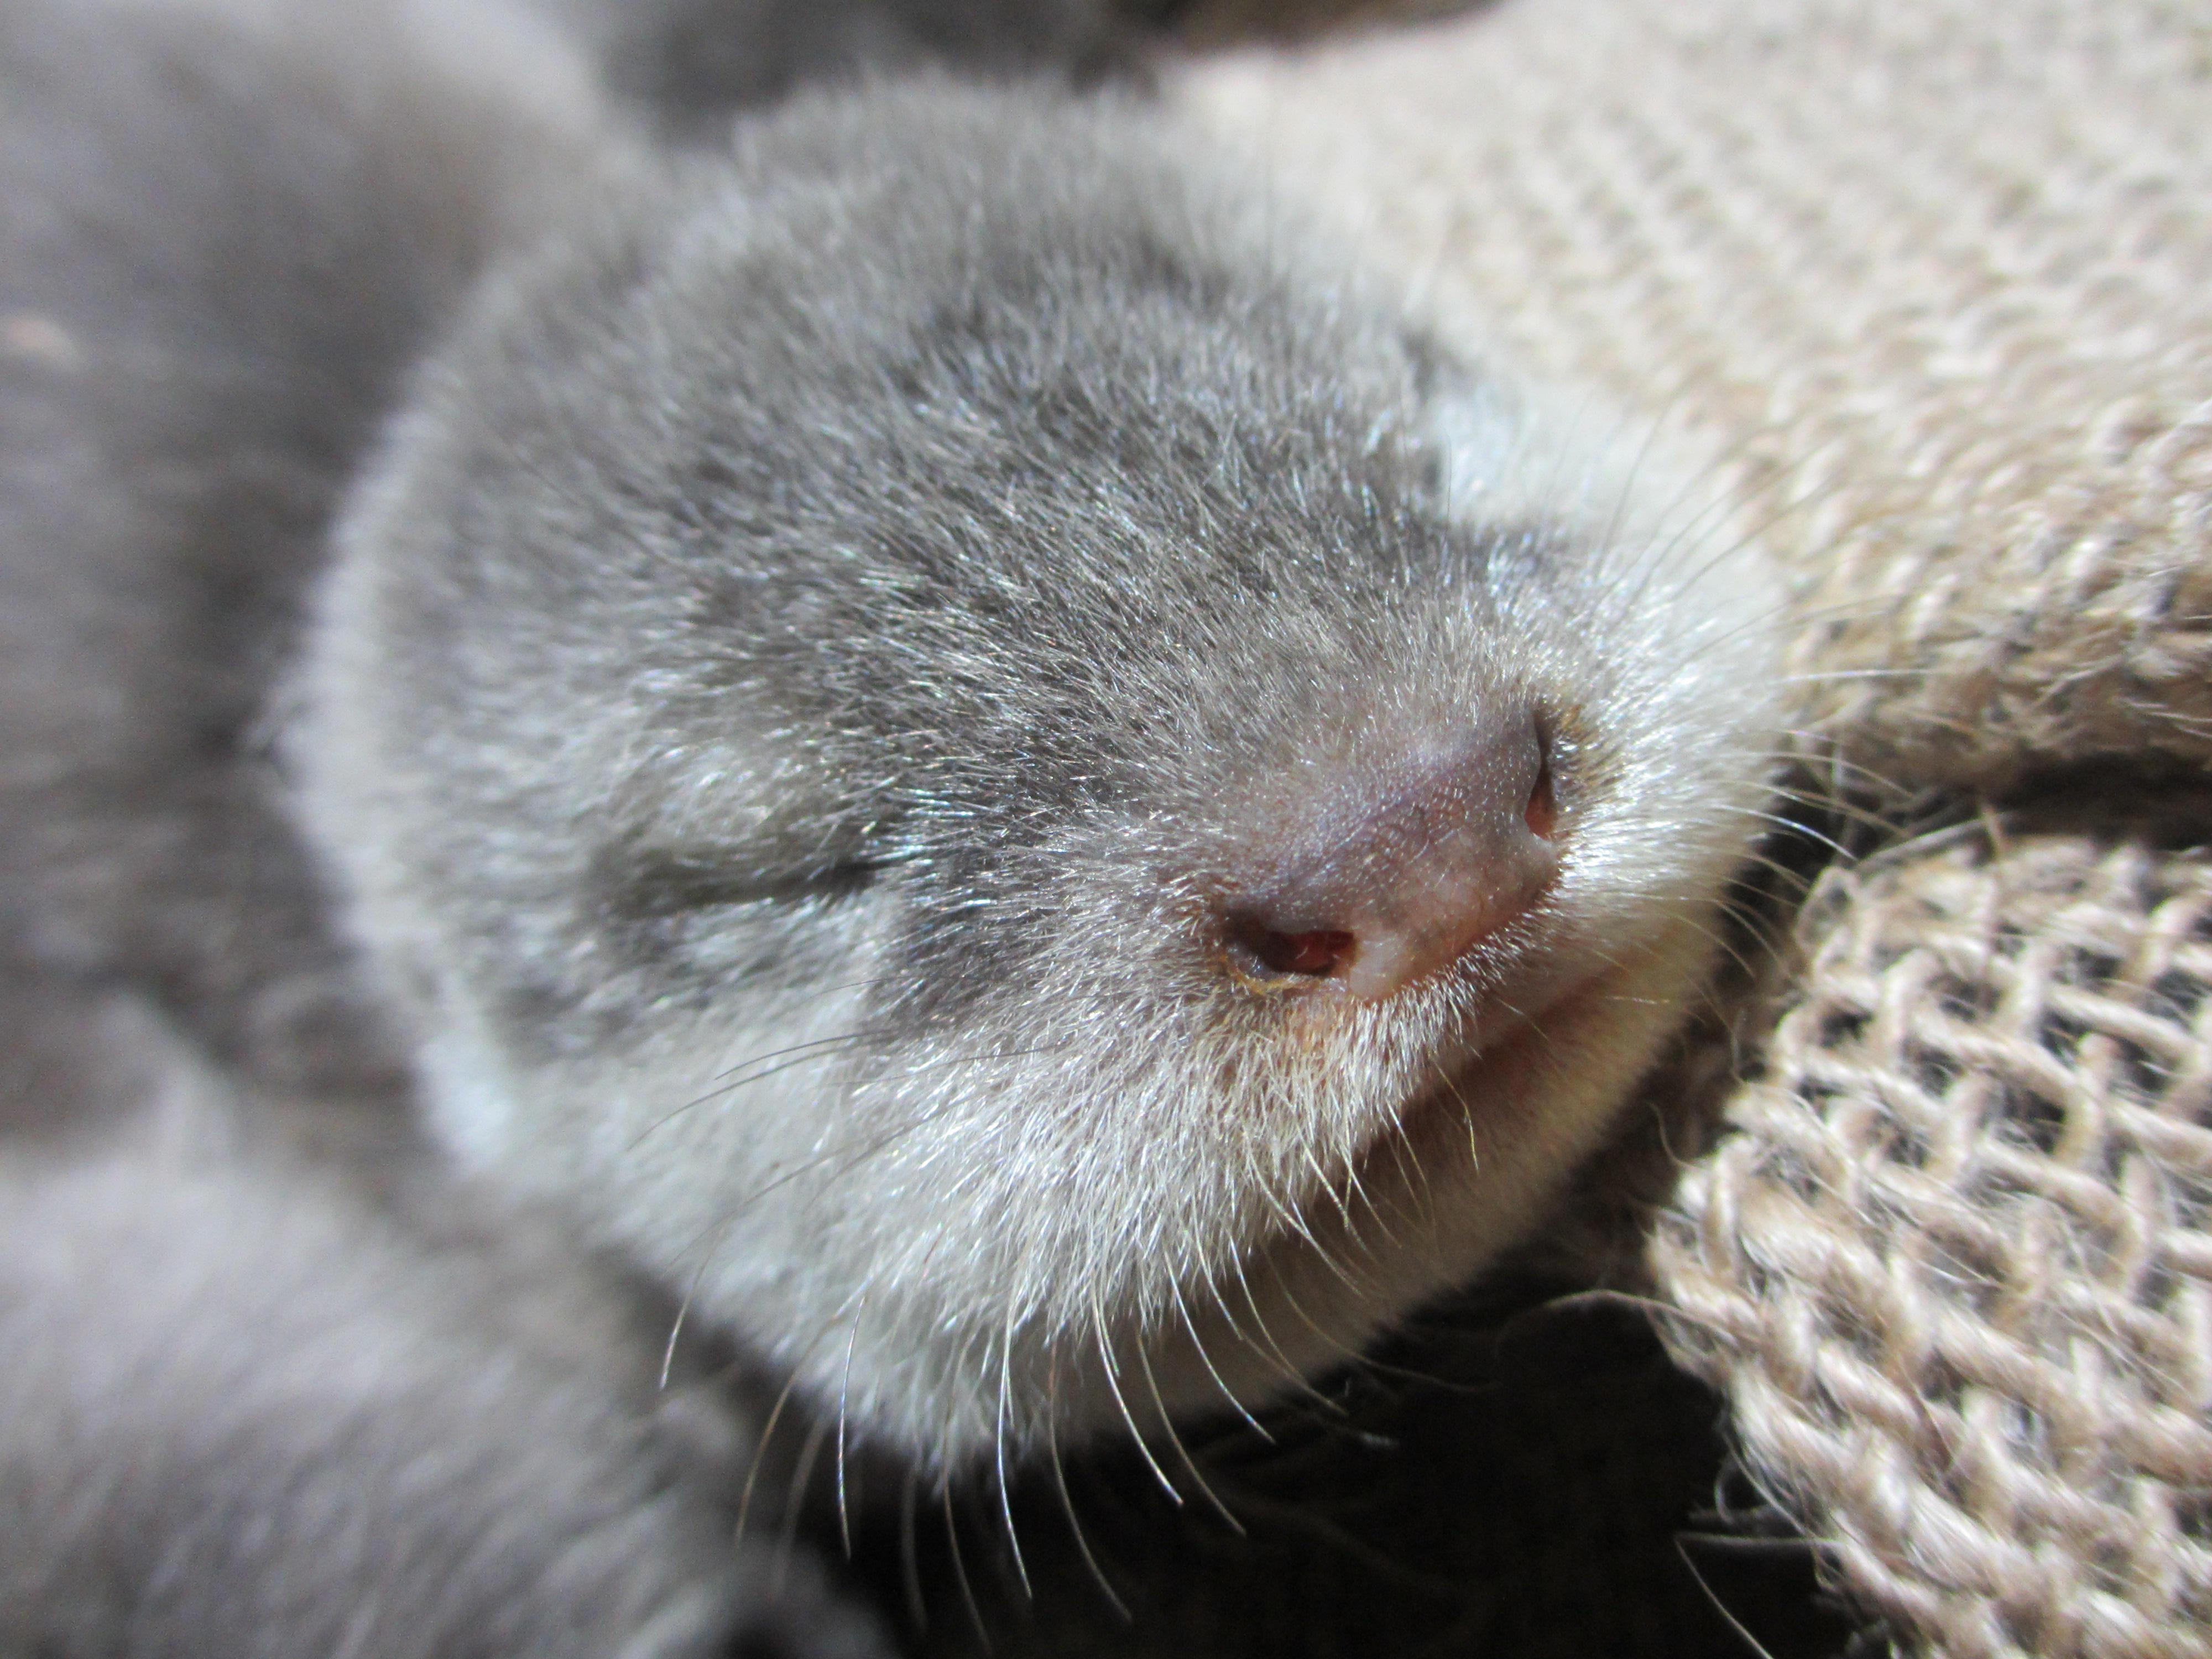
{"points": [[955, 741], [939, 727]]}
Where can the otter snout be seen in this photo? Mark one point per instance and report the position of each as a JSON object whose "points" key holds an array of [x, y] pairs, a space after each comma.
{"points": [[1402, 868]]}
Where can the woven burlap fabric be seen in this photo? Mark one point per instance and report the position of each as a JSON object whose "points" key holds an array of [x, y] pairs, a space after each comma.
{"points": [[1956, 1262], [1933, 281], [1933, 276]]}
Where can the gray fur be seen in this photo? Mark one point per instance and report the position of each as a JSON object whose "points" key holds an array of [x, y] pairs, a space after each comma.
{"points": [[253, 1414], [224, 237], [272, 1385], [816, 631], [822, 642]]}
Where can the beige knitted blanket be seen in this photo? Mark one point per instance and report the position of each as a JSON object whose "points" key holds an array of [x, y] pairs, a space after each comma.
{"points": [[1935, 278]]}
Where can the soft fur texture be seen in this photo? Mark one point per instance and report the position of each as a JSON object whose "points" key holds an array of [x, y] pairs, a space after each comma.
{"points": [[252, 1412], [841, 693], [811, 670], [273, 1385]]}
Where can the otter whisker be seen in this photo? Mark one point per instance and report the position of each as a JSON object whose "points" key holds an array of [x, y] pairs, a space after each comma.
{"points": [[1197, 1344], [802, 1477], [844, 1390], [1174, 1439], [960, 1568], [910, 1546], [1114, 1384], [767, 1434], [820, 1048], [1057, 1464], [998, 1453]]}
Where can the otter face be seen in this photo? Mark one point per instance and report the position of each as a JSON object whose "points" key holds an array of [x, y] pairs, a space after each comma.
{"points": [[1021, 792]]}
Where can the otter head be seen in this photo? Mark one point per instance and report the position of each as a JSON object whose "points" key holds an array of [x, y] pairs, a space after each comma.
{"points": [[1008, 780]]}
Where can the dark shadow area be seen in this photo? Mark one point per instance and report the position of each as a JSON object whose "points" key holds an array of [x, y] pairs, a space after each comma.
{"points": [[1529, 1481]]}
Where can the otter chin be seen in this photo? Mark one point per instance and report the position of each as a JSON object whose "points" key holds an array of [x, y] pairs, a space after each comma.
{"points": [[1456, 1174]]}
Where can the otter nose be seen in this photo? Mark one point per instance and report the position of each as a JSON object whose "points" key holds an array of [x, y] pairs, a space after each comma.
{"points": [[1403, 870]]}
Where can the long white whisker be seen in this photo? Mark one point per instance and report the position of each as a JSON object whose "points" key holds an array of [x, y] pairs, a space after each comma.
{"points": [[1114, 1384]]}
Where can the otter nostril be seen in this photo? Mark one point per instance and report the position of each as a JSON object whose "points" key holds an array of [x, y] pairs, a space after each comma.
{"points": [[1314, 954], [1541, 814], [1399, 867]]}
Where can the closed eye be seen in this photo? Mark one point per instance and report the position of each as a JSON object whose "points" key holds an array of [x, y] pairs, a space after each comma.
{"points": [[670, 884]]}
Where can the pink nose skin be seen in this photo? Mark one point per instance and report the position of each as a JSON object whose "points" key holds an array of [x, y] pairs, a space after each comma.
{"points": [[1406, 869]]}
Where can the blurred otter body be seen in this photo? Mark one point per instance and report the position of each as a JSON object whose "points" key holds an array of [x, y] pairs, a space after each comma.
{"points": [[936, 728]]}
